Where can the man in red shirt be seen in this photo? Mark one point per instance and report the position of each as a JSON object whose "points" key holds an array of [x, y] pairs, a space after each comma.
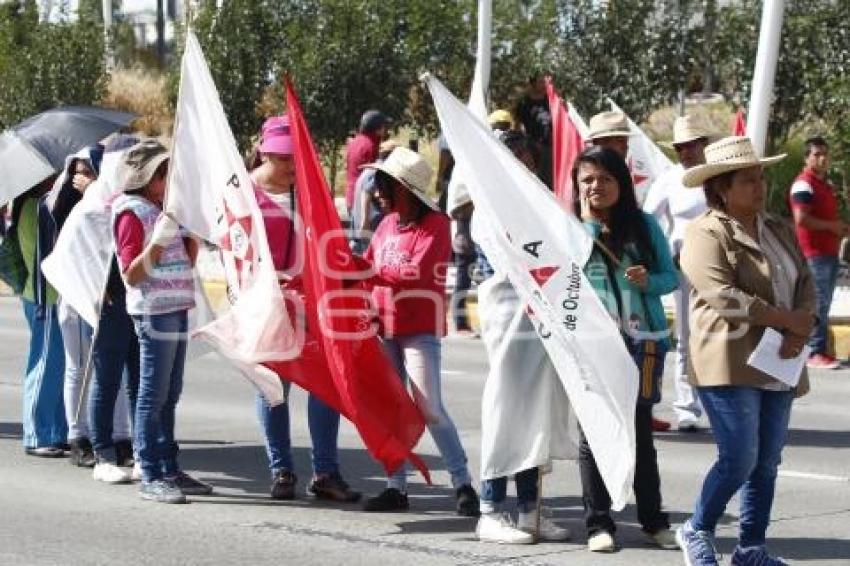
{"points": [[363, 149], [819, 230]]}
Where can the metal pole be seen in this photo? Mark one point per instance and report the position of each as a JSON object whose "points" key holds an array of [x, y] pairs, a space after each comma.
{"points": [[106, 7], [765, 71]]}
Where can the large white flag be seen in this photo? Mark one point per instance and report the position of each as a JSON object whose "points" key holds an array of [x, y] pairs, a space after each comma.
{"points": [[646, 161], [543, 249], [211, 194]]}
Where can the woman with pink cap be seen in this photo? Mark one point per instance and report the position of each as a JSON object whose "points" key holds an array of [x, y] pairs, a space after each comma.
{"points": [[274, 180]]}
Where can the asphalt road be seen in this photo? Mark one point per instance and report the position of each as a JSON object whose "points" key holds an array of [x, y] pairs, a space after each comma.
{"points": [[51, 513]]}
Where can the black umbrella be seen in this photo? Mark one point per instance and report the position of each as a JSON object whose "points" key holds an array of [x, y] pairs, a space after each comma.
{"points": [[46, 139]]}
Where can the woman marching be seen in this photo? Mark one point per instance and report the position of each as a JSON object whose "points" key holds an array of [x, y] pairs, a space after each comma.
{"points": [[630, 269], [748, 275], [273, 178], [409, 253]]}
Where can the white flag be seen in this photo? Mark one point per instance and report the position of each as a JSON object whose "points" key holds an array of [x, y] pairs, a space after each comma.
{"points": [[543, 249], [646, 161], [211, 194]]}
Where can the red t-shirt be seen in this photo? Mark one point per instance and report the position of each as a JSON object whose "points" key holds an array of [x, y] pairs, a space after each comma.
{"points": [[410, 265], [361, 150], [819, 196], [129, 238]]}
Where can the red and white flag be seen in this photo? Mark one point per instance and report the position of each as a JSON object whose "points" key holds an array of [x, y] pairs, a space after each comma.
{"points": [[543, 250], [739, 124], [567, 143]]}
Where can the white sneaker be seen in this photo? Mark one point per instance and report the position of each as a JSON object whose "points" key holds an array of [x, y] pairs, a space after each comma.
{"points": [[136, 474], [601, 542], [108, 472], [500, 528], [549, 529]]}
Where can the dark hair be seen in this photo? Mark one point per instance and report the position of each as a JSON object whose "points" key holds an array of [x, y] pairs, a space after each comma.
{"points": [[516, 141], [384, 180], [714, 187], [813, 142], [627, 224]]}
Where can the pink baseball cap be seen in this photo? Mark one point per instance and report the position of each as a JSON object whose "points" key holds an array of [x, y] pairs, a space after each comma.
{"points": [[276, 137]]}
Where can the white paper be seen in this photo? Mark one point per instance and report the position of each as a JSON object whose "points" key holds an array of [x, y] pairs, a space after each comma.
{"points": [[766, 358]]}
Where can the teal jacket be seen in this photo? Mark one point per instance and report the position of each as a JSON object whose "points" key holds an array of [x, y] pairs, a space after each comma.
{"points": [[643, 306]]}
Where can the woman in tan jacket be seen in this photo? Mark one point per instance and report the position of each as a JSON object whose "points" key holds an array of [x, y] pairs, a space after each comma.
{"points": [[747, 274]]}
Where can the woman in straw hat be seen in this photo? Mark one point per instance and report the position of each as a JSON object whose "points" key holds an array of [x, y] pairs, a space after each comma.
{"points": [[629, 269], [409, 253], [747, 275]]}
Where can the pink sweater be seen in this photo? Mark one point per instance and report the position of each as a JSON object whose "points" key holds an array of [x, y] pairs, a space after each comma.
{"points": [[410, 265]]}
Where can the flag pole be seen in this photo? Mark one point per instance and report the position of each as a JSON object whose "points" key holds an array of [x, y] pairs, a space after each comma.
{"points": [[764, 74]]}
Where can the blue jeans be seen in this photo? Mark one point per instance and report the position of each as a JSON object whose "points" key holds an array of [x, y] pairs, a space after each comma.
{"points": [[495, 491], [115, 357], [162, 348], [324, 429], [417, 359], [750, 426], [824, 270], [43, 413]]}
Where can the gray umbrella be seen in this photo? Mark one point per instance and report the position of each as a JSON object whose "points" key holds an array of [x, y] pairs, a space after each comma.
{"points": [[37, 147]]}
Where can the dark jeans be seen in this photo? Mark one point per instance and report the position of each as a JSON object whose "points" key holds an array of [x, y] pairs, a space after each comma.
{"points": [[495, 491], [750, 426], [324, 430], [463, 282], [162, 347], [825, 272], [647, 482], [115, 356]]}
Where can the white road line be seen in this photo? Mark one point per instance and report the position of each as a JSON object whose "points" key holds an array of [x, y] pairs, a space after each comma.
{"points": [[811, 476]]}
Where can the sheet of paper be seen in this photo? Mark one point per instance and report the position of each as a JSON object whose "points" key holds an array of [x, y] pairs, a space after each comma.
{"points": [[766, 358]]}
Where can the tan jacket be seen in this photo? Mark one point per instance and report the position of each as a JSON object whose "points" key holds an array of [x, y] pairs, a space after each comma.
{"points": [[730, 283]]}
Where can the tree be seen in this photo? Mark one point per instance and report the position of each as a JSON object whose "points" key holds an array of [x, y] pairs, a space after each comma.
{"points": [[46, 64]]}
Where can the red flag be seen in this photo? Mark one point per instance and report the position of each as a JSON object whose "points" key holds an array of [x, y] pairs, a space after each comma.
{"points": [[567, 144], [739, 126], [364, 384]]}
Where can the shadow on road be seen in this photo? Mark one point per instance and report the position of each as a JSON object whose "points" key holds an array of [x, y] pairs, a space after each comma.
{"points": [[11, 430]]}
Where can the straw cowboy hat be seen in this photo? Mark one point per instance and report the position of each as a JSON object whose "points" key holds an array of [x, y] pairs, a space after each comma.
{"points": [[687, 129], [411, 170], [729, 154], [611, 124]]}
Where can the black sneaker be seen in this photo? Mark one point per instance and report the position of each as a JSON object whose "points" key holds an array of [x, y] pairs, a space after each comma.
{"points": [[467, 502], [332, 488], [283, 485], [124, 453], [82, 454], [390, 499], [189, 485]]}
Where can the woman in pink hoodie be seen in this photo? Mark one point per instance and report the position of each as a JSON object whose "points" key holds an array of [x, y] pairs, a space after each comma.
{"points": [[409, 253]]}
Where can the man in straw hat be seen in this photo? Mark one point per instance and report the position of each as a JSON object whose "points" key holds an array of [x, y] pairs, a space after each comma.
{"points": [[409, 253], [610, 129], [668, 199], [748, 277], [819, 230]]}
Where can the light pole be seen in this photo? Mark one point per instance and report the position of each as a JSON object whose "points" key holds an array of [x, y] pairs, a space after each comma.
{"points": [[761, 97]]}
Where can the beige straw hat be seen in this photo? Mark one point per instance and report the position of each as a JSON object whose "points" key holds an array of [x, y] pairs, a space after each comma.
{"points": [[687, 129], [411, 170], [609, 125], [729, 154]]}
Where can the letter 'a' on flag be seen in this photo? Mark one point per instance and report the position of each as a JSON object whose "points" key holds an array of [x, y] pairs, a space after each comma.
{"points": [[543, 249], [210, 194], [370, 392], [646, 160], [567, 144], [739, 124]]}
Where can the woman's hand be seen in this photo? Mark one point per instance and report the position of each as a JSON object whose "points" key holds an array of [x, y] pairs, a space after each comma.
{"points": [[637, 275], [792, 345], [80, 182]]}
